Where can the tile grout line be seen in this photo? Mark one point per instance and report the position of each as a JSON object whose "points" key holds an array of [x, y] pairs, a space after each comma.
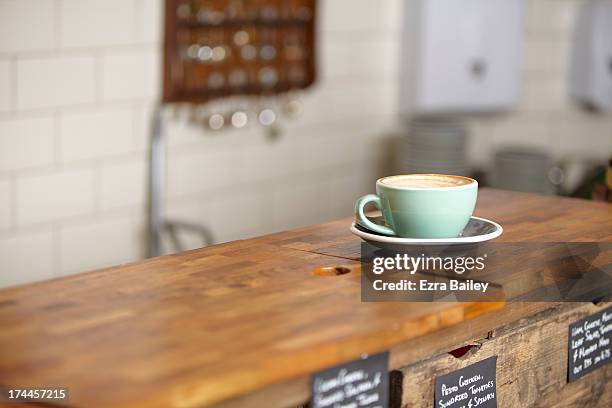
{"points": [[57, 249], [13, 204], [13, 91], [57, 17]]}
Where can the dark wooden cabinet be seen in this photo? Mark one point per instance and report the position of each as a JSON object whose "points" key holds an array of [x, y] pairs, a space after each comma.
{"points": [[220, 48]]}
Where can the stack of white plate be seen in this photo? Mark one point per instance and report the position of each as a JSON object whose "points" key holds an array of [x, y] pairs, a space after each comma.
{"points": [[522, 169], [433, 145]]}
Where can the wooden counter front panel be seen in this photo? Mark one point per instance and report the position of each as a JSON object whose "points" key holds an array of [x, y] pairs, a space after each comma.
{"points": [[531, 365]]}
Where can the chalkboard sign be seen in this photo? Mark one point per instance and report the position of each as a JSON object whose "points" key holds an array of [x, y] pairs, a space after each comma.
{"points": [[589, 344], [472, 386], [363, 383]]}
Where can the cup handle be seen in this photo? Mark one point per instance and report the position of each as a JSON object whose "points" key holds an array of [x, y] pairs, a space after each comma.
{"points": [[360, 205]]}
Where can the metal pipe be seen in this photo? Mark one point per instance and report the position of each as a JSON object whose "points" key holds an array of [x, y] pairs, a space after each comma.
{"points": [[157, 169]]}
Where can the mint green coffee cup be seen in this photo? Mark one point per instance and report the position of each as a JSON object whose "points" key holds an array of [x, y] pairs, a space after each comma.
{"points": [[421, 205]]}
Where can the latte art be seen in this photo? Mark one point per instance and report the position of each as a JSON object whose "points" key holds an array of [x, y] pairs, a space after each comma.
{"points": [[425, 181]]}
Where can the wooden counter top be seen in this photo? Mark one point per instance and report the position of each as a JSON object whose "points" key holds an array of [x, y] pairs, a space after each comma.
{"points": [[215, 324]]}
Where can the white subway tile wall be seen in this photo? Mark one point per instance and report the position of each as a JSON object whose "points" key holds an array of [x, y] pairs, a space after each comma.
{"points": [[55, 81], [79, 80], [121, 183], [6, 210], [131, 75], [86, 23], [49, 196], [108, 240], [201, 170], [27, 25], [26, 143], [6, 80], [148, 21], [240, 214], [95, 133], [299, 201], [28, 256]]}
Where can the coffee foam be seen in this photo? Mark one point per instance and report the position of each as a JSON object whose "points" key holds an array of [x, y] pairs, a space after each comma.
{"points": [[425, 181]]}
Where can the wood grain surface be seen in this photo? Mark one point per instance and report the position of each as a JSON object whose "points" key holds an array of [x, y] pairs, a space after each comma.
{"points": [[199, 327], [526, 219], [245, 323]]}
